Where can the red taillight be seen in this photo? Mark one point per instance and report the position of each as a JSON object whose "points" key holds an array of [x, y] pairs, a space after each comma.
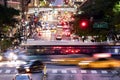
{"points": [[72, 51], [66, 51], [76, 51]]}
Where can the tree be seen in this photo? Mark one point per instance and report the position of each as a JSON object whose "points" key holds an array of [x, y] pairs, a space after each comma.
{"points": [[7, 16], [7, 22], [98, 10], [116, 18]]}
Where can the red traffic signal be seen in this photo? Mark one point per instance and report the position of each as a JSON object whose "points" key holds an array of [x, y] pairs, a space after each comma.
{"points": [[84, 24]]}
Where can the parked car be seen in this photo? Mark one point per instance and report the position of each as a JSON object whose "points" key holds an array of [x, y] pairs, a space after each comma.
{"points": [[31, 66], [22, 77]]}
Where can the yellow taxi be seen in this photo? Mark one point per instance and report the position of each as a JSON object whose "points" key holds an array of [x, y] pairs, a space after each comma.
{"points": [[70, 61], [100, 62]]}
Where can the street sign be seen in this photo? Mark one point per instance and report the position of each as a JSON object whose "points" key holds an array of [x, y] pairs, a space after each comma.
{"points": [[100, 25]]}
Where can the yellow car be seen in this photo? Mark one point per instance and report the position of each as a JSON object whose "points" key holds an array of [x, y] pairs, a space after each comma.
{"points": [[70, 61], [100, 63]]}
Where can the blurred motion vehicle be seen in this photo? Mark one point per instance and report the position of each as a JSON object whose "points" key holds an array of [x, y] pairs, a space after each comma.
{"points": [[100, 63], [10, 55], [73, 60], [31, 66], [15, 54], [22, 77], [4, 58]]}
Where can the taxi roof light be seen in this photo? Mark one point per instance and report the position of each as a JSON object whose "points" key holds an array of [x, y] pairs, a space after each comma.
{"points": [[102, 55]]}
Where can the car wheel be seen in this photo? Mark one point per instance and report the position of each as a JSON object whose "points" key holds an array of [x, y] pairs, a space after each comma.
{"points": [[111, 66]]}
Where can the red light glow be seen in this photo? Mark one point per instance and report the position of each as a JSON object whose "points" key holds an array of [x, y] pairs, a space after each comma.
{"points": [[84, 24]]}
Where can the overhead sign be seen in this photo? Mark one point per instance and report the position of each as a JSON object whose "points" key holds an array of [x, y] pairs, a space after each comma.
{"points": [[100, 25]]}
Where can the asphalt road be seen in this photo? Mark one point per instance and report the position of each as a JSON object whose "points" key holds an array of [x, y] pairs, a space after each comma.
{"points": [[56, 72]]}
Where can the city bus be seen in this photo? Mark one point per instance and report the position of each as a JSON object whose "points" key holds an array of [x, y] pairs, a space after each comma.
{"points": [[41, 47]]}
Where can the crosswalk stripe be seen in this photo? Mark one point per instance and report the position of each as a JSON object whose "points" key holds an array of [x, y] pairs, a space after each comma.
{"points": [[64, 71], [93, 71], [7, 71], [54, 71], [83, 71], [0, 71], [103, 71], [114, 72], [16, 71], [73, 71]]}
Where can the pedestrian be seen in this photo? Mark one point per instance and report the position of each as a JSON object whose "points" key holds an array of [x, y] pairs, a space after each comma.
{"points": [[45, 71]]}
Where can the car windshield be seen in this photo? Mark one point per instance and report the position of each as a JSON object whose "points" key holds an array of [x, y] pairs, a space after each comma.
{"points": [[102, 59], [22, 77], [34, 62]]}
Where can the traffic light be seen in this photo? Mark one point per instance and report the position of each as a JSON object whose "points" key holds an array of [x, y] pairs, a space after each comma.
{"points": [[84, 23]]}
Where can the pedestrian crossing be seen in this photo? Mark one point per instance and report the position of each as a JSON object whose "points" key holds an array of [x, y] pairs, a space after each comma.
{"points": [[81, 71], [58, 71], [8, 71]]}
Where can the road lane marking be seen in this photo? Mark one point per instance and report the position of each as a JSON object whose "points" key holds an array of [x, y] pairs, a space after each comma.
{"points": [[54, 71], [16, 71], [64, 71], [73, 71], [0, 71], [7, 71], [103, 71], [93, 71], [114, 72], [83, 71]]}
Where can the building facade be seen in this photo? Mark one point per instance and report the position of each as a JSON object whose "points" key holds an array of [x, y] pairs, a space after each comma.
{"points": [[11, 3]]}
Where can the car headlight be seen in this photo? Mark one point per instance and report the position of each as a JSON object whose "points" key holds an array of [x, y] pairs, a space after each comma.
{"points": [[27, 70]]}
